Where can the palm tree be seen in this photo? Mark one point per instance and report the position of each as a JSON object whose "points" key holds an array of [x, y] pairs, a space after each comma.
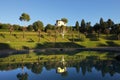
{"points": [[24, 17]]}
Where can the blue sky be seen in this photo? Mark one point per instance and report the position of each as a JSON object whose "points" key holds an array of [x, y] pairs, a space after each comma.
{"points": [[48, 11]]}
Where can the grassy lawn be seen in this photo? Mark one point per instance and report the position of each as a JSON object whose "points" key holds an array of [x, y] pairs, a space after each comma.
{"points": [[31, 40]]}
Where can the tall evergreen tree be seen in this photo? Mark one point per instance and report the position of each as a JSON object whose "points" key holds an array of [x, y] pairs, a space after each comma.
{"points": [[97, 29], [77, 25], [83, 25], [88, 26], [118, 31], [110, 23], [101, 23]]}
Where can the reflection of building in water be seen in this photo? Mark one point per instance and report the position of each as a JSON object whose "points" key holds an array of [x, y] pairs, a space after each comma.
{"points": [[61, 70], [62, 67]]}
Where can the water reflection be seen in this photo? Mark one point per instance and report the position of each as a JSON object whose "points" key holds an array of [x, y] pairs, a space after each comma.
{"points": [[23, 75], [62, 69], [65, 68]]}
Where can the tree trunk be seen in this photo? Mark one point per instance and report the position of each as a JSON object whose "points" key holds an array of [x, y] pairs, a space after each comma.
{"points": [[72, 37], [23, 34], [63, 35], [10, 32], [55, 36], [39, 35], [23, 31], [79, 35], [118, 36]]}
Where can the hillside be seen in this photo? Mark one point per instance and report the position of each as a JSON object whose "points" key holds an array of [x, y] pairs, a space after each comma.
{"points": [[48, 40]]}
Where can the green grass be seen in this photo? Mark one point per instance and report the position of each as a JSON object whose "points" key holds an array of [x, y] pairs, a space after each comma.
{"points": [[16, 41]]}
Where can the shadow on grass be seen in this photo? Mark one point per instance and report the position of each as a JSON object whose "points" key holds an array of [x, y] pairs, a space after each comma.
{"points": [[15, 35], [31, 40], [76, 40], [4, 46], [58, 48], [111, 37], [109, 44], [2, 35], [59, 45], [93, 37], [6, 50], [112, 44]]}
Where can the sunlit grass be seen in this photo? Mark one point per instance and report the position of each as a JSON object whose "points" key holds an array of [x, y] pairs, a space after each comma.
{"points": [[16, 40]]}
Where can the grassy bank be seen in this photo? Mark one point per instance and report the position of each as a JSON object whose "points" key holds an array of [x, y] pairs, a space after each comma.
{"points": [[32, 41]]}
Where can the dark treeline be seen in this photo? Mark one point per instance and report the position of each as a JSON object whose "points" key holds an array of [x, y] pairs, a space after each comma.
{"points": [[103, 27]]}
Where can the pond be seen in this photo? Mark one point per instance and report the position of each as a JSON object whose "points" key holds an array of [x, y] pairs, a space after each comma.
{"points": [[89, 68]]}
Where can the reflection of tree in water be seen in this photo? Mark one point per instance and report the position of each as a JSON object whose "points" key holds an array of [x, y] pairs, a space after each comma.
{"points": [[104, 66], [37, 68], [50, 65], [23, 75], [64, 74], [110, 67]]}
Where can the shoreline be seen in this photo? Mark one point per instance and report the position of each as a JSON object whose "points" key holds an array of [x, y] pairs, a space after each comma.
{"points": [[107, 49]]}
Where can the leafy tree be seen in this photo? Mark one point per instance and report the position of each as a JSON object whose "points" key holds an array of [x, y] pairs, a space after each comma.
{"points": [[49, 27], [30, 28], [107, 31], [24, 17], [38, 26], [16, 27], [64, 20], [5, 26]]}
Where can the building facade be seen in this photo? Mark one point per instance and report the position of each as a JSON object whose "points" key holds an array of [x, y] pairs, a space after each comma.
{"points": [[60, 23]]}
